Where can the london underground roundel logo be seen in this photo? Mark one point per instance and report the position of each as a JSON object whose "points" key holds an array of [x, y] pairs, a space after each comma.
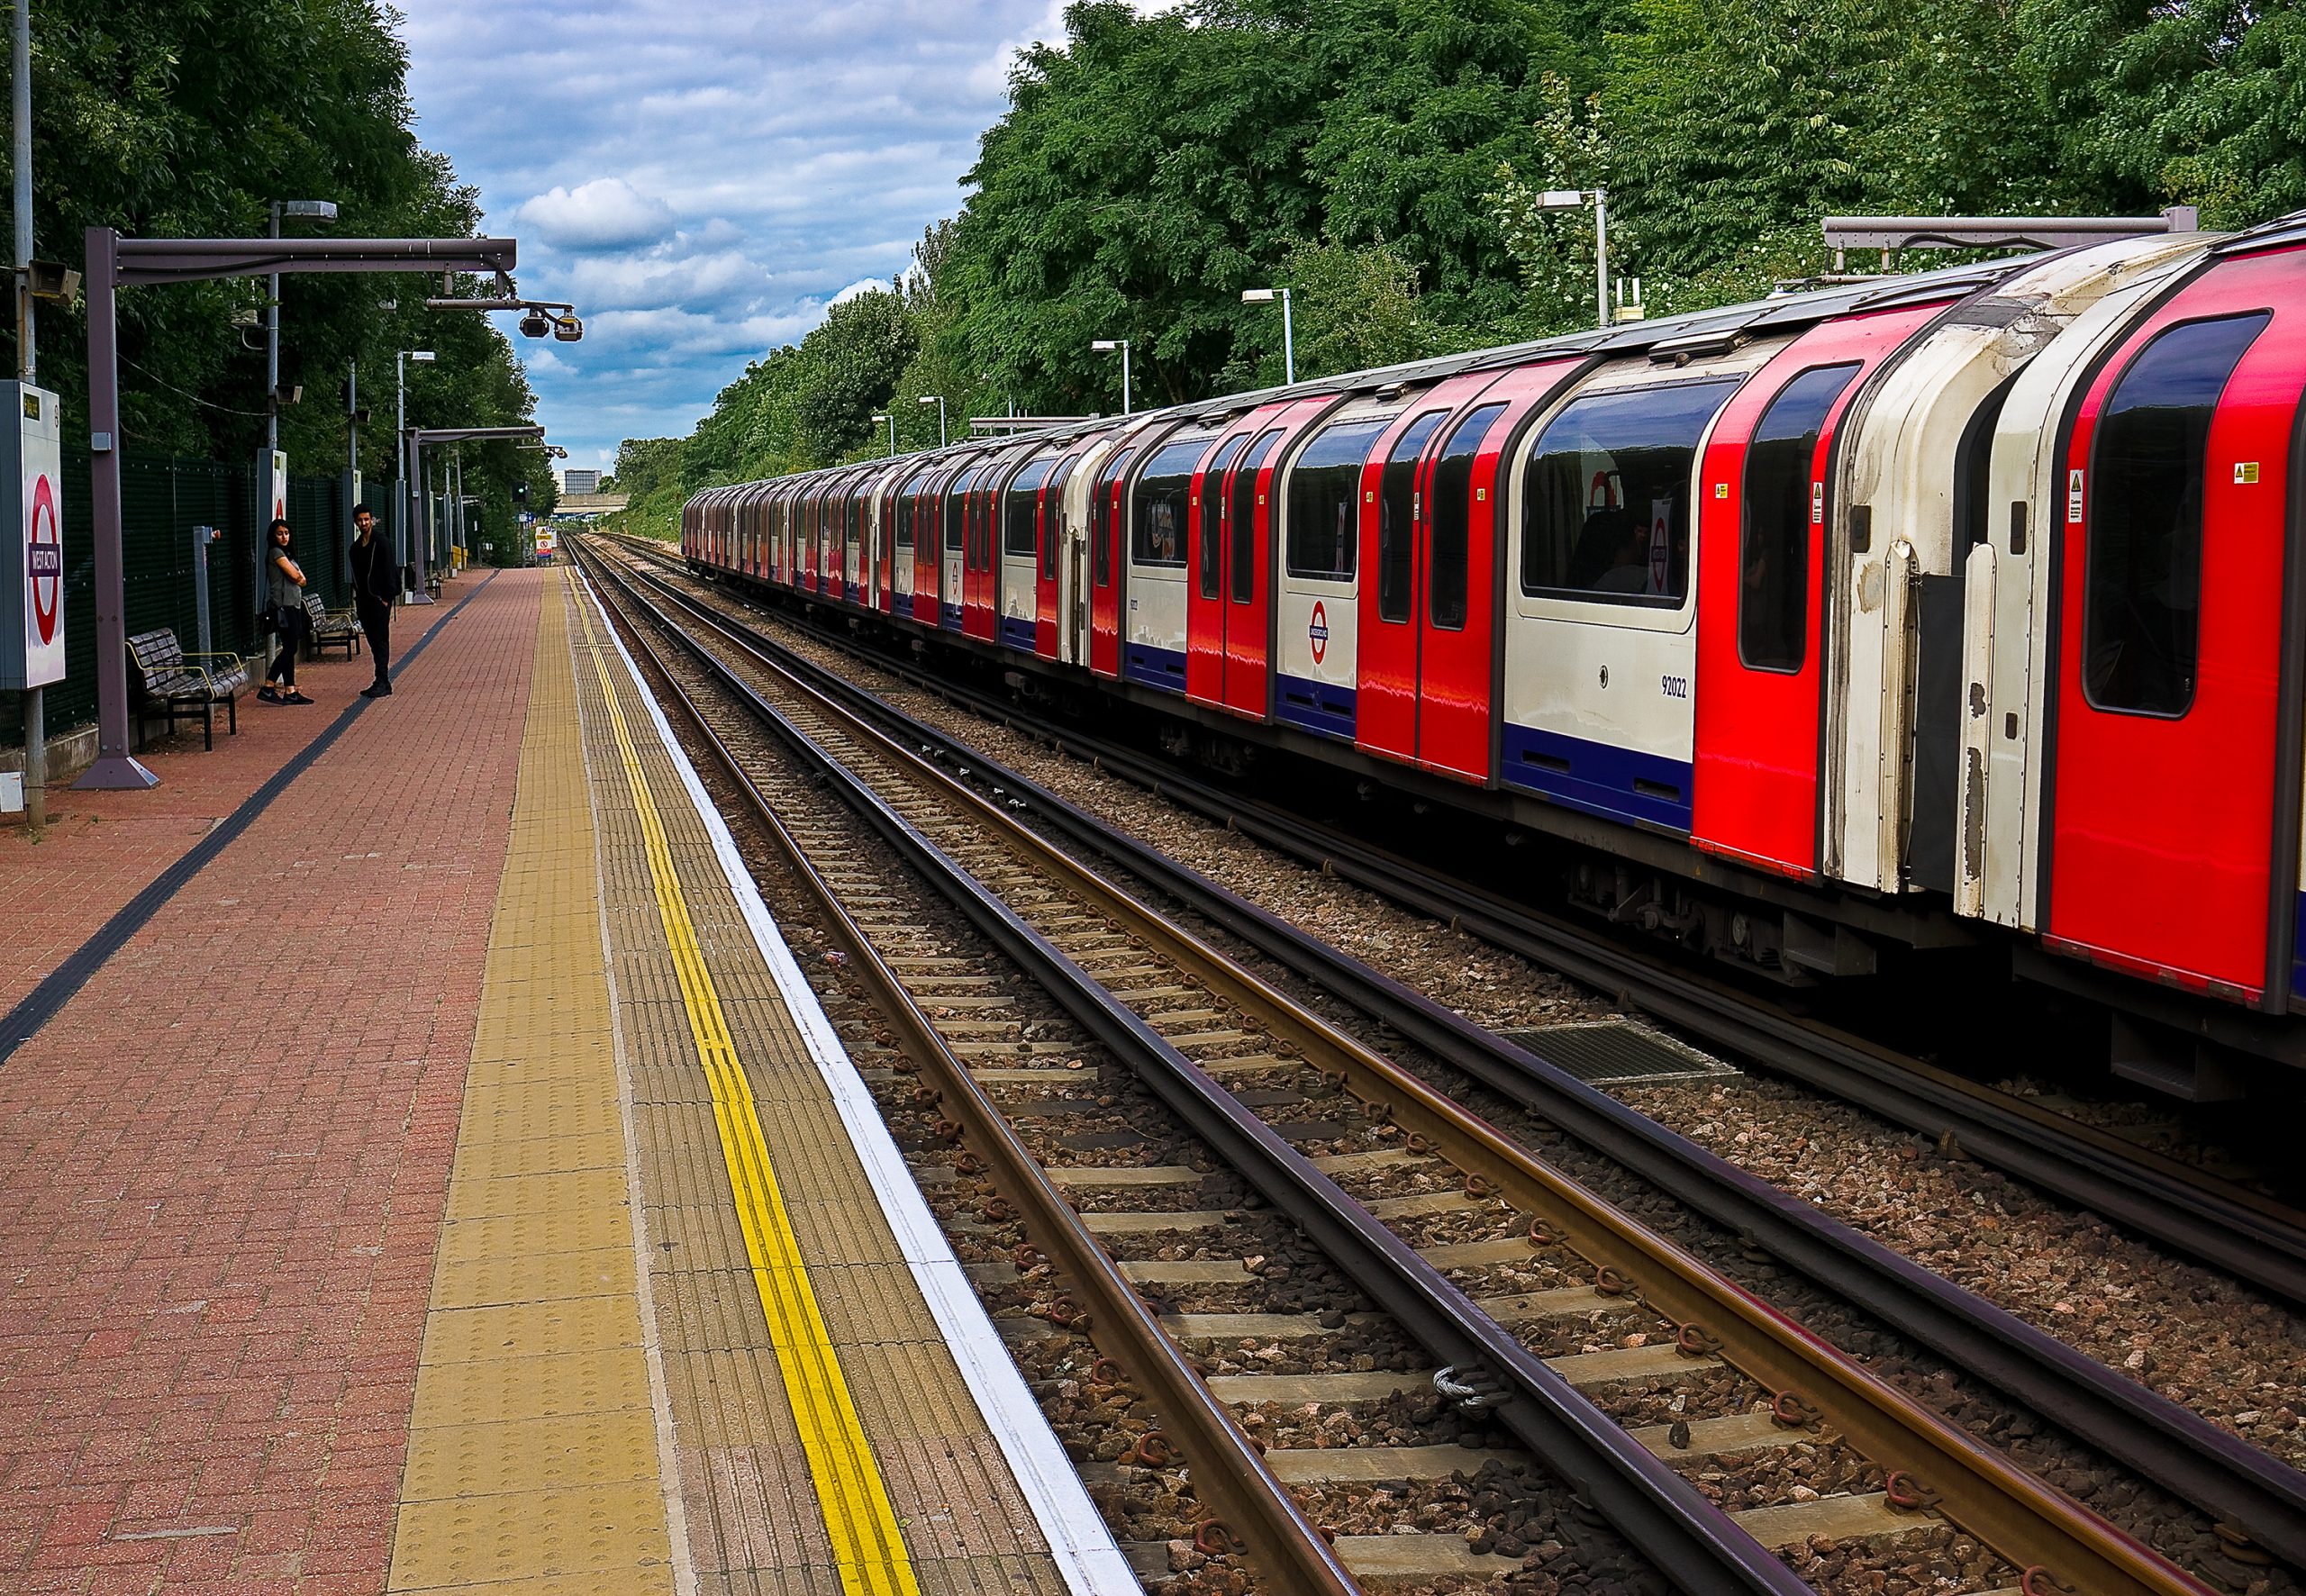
{"points": [[45, 560], [1317, 631]]}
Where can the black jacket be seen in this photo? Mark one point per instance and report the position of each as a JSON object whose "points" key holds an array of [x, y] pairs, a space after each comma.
{"points": [[375, 575]]}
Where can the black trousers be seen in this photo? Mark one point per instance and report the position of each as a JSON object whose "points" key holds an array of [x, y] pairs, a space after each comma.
{"points": [[291, 638], [377, 626]]}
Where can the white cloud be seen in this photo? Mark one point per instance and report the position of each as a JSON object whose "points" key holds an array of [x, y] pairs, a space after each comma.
{"points": [[861, 285], [704, 182], [604, 213]]}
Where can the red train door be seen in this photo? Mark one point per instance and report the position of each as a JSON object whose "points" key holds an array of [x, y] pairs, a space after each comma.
{"points": [[1385, 704], [1205, 575], [2174, 555], [985, 580], [1762, 517], [1105, 565], [1248, 602]]}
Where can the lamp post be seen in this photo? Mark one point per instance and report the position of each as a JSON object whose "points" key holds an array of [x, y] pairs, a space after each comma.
{"points": [[892, 420], [1288, 332], [938, 400], [312, 211], [1576, 199], [400, 432], [1106, 346]]}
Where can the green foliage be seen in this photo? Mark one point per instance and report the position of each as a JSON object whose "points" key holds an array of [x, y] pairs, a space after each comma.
{"points": [[186, 118], [1383, 159]]}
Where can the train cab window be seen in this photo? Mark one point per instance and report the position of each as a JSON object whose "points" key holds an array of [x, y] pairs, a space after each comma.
{"points": [[1324, 492], [1774, 536], [1213, 510], [1605, 498], [1451, 514], [1157, 523], [1101, 510], [1242, 518], [1021, 510], [1397, 516], [1053, 518], [908, 502], [2141, 624]]}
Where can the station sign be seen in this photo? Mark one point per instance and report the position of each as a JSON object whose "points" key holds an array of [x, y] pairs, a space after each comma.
{"points": [[544, 540], [32, 612]]}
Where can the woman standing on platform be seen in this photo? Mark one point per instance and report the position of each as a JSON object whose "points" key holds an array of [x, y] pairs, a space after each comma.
{"points": [[284, 594]]}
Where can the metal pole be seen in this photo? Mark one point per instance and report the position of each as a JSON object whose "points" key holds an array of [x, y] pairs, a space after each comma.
{"points": [[272, 356], [940, 421], [400, 454], [1124, 376], [1602, 253], [1288, 339], [114, 765], [352, 416], [27, 364], [200, 536]]}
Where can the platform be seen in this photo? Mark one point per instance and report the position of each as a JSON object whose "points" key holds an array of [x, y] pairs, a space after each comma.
{"points": [[436, 1174]]}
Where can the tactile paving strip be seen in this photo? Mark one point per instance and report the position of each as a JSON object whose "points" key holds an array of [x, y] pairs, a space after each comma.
{"points": [[754, 1515], [533, 1459]]}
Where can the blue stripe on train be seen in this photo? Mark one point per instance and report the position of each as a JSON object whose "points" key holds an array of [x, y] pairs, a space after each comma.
{"points": [[1017, 632], [1316, 706], [1164, 668], [1616, 782], [949, 616]]}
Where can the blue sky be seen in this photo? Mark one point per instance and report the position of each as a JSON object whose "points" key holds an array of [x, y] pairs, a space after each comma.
{"points": [[701, 180]]}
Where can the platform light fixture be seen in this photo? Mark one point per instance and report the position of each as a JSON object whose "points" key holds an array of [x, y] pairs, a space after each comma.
{"points": [[938, 400], [1288, 330], [1578, 199], [1105, 346], [892, 420]]}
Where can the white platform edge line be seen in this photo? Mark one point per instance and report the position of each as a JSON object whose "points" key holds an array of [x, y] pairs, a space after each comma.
{"points": [[1079, 1540]]}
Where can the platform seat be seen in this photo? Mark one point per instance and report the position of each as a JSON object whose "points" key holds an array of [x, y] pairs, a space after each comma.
{"points": [[330, 629], [176, 682]]}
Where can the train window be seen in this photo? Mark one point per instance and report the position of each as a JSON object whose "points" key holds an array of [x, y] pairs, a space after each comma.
{"points": [[1397, 516], [1157, 519], [957, 499], [1324, 487], [908, 507], [1101, 509], [1020, 510], [1212, 515], [1242, 518], [1973, 471], [1053, 518], [2141, 621], [1449, 516], [1773, 539], [1605, 499]]}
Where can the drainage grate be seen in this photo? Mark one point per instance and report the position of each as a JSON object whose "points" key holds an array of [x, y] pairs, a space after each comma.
{"points": [[1612, 1052]]}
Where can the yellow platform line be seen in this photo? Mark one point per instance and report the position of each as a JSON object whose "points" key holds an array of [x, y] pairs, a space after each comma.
{"points": [[859, 1520]]}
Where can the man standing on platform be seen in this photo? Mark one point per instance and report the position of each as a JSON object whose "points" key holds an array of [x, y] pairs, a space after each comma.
{"points": [[376, 580]]}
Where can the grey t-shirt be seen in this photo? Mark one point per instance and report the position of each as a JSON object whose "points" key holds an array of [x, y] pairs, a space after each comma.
{"points": [[282, 591]]}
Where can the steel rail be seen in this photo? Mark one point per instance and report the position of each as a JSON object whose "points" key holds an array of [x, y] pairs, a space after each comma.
{"points": [[1692, 1541], [2255, 1497], [1975, 1486], [1228, 1473]]}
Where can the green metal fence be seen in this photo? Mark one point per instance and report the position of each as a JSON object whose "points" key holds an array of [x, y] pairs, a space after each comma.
{"points": [[162, 499]]}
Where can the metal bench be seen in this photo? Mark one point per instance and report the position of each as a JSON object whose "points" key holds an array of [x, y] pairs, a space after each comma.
{"points": [[177, 683], [330, 629]]}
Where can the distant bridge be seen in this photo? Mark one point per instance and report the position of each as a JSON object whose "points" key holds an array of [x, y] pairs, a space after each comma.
{"points": [[588, 505]]}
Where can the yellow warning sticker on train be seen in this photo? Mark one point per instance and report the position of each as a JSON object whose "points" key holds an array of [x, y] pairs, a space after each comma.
{"points": [[2245, 471]]}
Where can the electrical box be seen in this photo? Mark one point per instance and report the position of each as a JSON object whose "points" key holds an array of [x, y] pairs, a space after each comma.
{"points": [[31, 599]]}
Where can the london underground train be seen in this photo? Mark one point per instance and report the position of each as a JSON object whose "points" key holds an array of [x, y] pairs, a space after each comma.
{"points": [[1932, 611]]}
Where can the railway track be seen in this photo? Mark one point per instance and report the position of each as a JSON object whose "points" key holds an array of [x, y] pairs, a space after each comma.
{"points": [[2256, 1504], [2242, 1232], [1506, 1282]]}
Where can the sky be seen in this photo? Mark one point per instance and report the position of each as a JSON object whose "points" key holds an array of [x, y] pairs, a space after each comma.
{"points": [[702, 181]]}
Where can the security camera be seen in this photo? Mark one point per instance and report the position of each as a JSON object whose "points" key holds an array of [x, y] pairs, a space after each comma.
{"points": [[535, 324], [567, 328]]}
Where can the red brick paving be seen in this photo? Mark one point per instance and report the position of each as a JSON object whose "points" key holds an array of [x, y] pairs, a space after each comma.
{"points": [[102, 848], [223, 1164]]}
